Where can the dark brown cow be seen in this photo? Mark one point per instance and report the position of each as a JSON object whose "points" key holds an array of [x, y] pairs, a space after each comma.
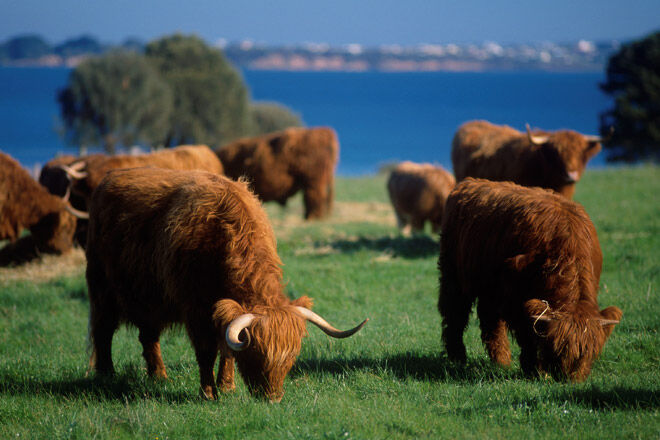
{"points": [[497, 152], [56, 180], [88, 172], [418, 193], [24, 204], [280, 164], [532, 262], [196, 248]]}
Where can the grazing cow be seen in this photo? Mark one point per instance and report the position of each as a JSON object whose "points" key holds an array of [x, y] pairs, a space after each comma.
{"points": [[56, 180], [531, 260], [418, 193], [280, 164], [196, 248], [24, 204], [498, 152], [87, 173]]}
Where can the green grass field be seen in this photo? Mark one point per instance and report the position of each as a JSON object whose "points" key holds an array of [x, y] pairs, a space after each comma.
{"points": [[391, 380]]}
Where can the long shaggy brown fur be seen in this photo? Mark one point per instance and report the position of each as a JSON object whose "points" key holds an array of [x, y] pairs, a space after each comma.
{"points": [[196, 248], [24, 204], [280, 164], [498, 152], [185, 157], [418, 193], [522, 252]]}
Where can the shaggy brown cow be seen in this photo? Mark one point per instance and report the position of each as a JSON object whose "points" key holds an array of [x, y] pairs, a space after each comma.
{"points": [[88, 172], [24, 204], [196, 248], [531, 260], [418, 193], [498, 152], [280, 164]]}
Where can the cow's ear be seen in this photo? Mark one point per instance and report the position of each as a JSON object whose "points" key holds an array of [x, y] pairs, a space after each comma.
{"points": [[611, 316], [226, 310], [520, 261], [593, 147], [304, 301]]}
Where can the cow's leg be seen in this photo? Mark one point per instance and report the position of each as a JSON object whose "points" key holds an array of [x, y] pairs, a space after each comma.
{"points": [[102, 326], [417, 224], [454, 308], [206, 350], [494, 334], [315, 199], [151, 352], [528, 352], [226, 370]]}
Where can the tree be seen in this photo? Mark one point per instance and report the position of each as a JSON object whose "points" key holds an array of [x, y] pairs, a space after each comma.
{"points": [[271, 116], [633, 79], [210, 97], [26, 46], [116, 99]]}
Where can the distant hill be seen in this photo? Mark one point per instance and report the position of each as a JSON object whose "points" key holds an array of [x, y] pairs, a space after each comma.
{"points": [[31, 50]]}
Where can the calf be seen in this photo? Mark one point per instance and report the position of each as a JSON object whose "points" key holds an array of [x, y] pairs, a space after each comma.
{"points": [[418, 193]]}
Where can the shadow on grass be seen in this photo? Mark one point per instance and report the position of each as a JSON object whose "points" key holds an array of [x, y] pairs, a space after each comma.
{"points": [[615, 398], [411, 365], [418, 246], [129, 385]]}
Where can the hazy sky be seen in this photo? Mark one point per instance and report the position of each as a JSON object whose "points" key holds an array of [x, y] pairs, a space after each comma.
{"points": [[368, 22]]}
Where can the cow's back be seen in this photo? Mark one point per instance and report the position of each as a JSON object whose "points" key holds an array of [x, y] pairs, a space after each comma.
{"points": [[507, 240], [474, 146], [158, 240]]}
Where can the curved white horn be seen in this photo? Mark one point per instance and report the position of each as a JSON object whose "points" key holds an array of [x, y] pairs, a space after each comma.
{"points": [[74, 173], [234, 330], [608, 322], [67, 194], [541, 318], [323, 324], [76, 213], [536, 140], [593, 138]]}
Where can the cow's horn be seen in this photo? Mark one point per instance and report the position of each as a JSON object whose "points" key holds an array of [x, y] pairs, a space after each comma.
{"points": [[608, 321], [74, 171], [323, 324], [593, 138], [541, 318], [76, 213], [235, 328], [536, 140]]}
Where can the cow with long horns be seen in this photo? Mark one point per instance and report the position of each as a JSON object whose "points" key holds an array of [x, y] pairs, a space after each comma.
{"points": [[531, 261], [553, 160], [195, 248]]}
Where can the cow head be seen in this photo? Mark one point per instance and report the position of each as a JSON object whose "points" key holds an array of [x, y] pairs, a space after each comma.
{"points": [[564, 154], [267, 340], [568, 343]]}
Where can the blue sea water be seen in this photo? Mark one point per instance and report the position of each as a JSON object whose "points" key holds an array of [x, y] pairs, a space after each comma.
{"points": [[379, 117]]}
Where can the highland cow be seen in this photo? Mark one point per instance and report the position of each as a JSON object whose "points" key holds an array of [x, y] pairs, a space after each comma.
{"points": [[497, 152], [418, 193], [24, 204], [87, 172], [195, 248], [531, 261], [280, 164]]}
